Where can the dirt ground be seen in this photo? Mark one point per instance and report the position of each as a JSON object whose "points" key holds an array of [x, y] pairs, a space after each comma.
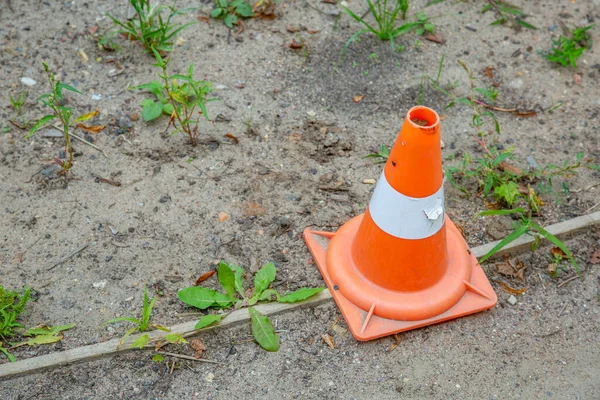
{"points": [[161, 226]]}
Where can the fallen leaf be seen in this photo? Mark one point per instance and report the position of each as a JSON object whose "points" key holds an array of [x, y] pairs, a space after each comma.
{"points": [[223, 216], [551, 269], [82, 54], [395, 344], [504, 166], [460, 229], [329, 340], [507, 268], [295, 137], [91, 129], [204, 18], [595, 257], [420, 122], [577, 79], [204, 276], [197, 345], [443, 117], [296, 45], [330, 1], [437, 38], [93, 29], [558, 253], [232, 137], [134, 117], [358, 99], [513, 291], [293, 28], [488, 71], [252, 209]]}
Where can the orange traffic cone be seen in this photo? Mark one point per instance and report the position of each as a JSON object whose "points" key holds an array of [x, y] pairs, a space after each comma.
{"points": [[403, 264]]}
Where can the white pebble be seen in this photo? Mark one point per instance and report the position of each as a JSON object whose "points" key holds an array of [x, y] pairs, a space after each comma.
{"points": [[28, 81]]}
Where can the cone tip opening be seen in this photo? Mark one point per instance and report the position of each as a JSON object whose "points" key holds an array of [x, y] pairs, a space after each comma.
{"points": [[423, 118]]}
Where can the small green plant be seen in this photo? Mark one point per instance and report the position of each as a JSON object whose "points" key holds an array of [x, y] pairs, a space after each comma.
{"points": [[525, 226], [381, 156], [385, 16], [148, 26], [142, 324], [425, 26], [55, 101], [231, 11], [12, 305], [17, 102], [507, 14], [107, 40], [566, 51], [180, 96], [231, 278]]}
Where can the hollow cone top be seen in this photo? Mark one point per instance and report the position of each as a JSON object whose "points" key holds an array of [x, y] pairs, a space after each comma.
{"points": [[414, 167]]}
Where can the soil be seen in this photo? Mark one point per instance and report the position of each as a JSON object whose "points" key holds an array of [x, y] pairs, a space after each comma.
{"points": [[299, 162]]}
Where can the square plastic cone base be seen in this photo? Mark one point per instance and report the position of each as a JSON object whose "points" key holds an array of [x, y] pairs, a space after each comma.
{"points": [[367, 326]]}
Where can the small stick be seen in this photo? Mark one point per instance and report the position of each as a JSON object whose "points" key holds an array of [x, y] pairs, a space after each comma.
{"points": [[84, 141], [567, 281], [184, 357], [65, 258], [119, 245], [89, 144], [563, 309]]}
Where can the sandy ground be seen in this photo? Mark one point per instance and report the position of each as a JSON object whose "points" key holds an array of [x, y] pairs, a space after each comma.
{"points": [[161, 226]]}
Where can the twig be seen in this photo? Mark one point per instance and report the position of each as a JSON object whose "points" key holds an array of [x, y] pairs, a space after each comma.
{"points": [[65, 258], [567, 281], [592, 207], [119, 245], [89, 144], [563, 309], [166, 353], [110, 182], [84, 141]]}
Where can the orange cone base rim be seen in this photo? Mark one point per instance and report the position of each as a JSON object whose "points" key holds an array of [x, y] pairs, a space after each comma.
{"points": [[372, 312]]}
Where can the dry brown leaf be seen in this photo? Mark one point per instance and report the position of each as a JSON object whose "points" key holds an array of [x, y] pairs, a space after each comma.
{"points": [[595, 257], [252, 209], [504, 166], [223, 216], [330, 1], [488, 71], [232, 137], [507, 268], [358, 99], [513, 291], [293, 28], [313, 32], [577, 79], [197, 345], [436, 38], [551, 268], [296, 45], [395, 344], [295, 137], [558, 253], [93, 29], [204, 18], [443, 117], [91, 129], [460, 229], [204, 276], [329, 340]]}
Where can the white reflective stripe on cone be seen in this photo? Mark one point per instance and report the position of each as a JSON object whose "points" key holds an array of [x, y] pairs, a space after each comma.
{"points": [[406, 217]]}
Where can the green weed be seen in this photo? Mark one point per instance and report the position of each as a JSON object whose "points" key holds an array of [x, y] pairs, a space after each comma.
{"points": [[180, 96], [526, 226], [17, 102], [141, 325], [12, 305], [231, 278], [385, 17], [381, 156], [148, 26], [55, 101], [566, 51], [507, 14], [231, 11]]}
